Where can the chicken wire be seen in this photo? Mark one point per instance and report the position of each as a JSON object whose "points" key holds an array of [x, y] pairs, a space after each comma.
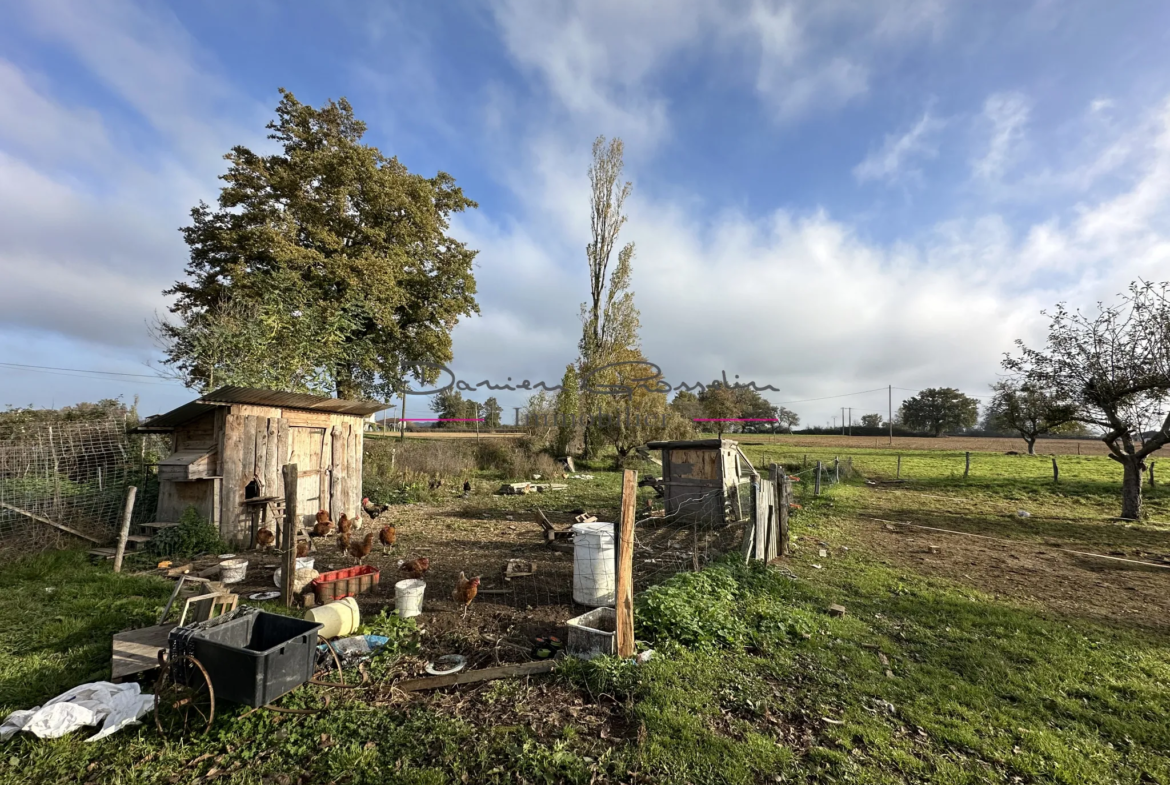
{"points": [[74, 474]]}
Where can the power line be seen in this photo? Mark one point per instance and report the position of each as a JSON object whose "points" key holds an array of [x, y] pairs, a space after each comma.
{"points": [[830, 397], [80, 370], [79, 373]]}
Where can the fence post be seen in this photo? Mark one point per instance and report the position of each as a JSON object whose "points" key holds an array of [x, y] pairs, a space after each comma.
{"points": [[288, 541], [1056, 470], [624, 604], [783, 494], [131, 492], [899, 467], [836, 469], [817, 485], [1151, 474], [849, 467], [967, 469]]}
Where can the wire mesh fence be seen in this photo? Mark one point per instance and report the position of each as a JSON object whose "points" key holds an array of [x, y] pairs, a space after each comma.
{"points": [[61, 475]]}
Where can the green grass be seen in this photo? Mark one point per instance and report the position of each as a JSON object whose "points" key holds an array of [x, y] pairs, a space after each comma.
{"points": [[754, 680]]}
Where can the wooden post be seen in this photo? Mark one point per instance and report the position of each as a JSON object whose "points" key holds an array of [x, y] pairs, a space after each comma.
{"points": [[817, 484], [783, 498], [624, 604], [131, 492], [891, 414], [849, 466], [255, 523], [967, 469], [1055, 470], [836, 469], [288, 543], [899, 467], [1151, 474], [804, 463]]}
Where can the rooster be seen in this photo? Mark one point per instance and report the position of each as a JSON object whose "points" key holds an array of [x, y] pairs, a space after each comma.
{"points": [[320, 529], [387, 536], [415, 568], [360, 550], [465, 591], [344, 524], [265, 538], [302, 549], [373, 510]]}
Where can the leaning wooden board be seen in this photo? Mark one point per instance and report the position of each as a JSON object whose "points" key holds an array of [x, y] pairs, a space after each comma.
{"points": [[136, 651]]}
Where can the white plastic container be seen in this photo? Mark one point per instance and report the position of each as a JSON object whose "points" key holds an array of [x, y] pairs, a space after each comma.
{"points": [[594, 578], [233, 570], [408, 597], [304, 564], [337, 618], [593, 634]]}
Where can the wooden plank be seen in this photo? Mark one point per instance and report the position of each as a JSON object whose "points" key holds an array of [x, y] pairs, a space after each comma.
{"points": [[282, 453], [232, 488], [47, 522], [324, 461], [483, 674], [248, 450], [136, 651], [352, 483], [359, 441], [624, 603], [288, 544], [272, 460], [337, 453], [260, 467]]}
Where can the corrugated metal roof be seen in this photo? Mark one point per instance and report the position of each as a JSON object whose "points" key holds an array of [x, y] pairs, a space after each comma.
{"points": [[286, 400], [693, 444], [174, 418]]}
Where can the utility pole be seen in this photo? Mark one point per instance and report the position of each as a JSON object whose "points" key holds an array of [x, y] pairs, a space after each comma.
{"points": [[891, 415], [402, 420], [842, 420], [850, 420]]}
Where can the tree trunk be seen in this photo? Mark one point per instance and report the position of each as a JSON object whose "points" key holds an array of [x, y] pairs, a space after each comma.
{"points": [[1031, 445], [1131, 488]]}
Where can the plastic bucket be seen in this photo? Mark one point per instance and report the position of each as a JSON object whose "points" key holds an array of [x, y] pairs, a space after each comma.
{"points": [[408, 597], [233, 570], [304, 564], [594, 581], [336, 618]]}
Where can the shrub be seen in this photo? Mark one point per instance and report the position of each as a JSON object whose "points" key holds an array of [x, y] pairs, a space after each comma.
{"points": [[695, 609], [194, 535]]}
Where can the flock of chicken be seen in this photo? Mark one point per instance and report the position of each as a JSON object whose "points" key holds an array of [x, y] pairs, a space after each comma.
{"points": [[465, 589]]}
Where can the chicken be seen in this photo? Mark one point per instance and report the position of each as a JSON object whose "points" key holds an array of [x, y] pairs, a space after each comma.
{"points": [[387, 536], [373, 510], [415, 568], [320, 529], [360, 550], [343, 542], [344, 524], [265, 538], [322, 516], [302, 549], [466, 489], [465, 591], [435, 483]]}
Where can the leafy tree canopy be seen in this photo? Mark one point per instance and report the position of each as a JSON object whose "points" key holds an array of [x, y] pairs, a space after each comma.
{"points": [[940, 409]]}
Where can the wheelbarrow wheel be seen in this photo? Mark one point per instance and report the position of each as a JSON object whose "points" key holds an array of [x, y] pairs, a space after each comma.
{"points": [[183, 706]]}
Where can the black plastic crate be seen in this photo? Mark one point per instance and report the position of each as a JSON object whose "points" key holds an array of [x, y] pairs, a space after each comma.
{"points": [[255, 658]]}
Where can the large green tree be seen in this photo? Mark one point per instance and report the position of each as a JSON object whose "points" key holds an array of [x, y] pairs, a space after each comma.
{"points": [[1027, 410], [940, 409], [342, 254]]}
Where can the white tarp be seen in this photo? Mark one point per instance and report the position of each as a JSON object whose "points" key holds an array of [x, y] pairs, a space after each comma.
{"points": [[113, 706]]}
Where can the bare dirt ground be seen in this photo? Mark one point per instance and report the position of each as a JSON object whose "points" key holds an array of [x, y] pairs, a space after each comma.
{"points": [[1036, 570]]}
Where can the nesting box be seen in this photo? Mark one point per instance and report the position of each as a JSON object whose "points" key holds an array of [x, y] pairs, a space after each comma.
{"points": [[705, 480]]}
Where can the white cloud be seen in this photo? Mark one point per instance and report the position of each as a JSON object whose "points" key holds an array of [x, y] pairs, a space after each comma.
{"points": [[895, 158], [1006, 115]]}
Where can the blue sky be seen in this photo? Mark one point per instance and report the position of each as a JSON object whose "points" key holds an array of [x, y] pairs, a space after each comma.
{"points": [[828, 196]]}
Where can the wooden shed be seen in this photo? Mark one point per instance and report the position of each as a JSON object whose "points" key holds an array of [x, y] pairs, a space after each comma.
{"points": [[228, 447], [706, 480]]}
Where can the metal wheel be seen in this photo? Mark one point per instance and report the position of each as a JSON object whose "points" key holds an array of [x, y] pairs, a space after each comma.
{"points": [[184, 700], [319, 677]]}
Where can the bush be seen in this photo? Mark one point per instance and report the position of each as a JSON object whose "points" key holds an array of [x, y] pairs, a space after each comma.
{"points": [[194, 535], [513, 460]]}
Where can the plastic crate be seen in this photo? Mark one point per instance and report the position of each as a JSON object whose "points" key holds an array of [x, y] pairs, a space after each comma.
{"points": [[593, 634], [255, 658], [339, 584]]}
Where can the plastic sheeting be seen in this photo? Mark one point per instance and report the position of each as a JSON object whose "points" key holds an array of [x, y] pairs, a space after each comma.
{"points": [[113, 706]]}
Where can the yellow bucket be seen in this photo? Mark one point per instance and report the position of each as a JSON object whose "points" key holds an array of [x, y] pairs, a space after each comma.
{"points": [[338, 618]]}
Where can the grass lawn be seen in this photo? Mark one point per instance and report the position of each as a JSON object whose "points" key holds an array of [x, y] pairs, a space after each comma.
{"points": [[935, 674]]}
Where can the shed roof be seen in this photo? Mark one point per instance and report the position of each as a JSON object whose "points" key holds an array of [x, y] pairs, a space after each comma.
{"points": [[692, 444], [226, 396]]}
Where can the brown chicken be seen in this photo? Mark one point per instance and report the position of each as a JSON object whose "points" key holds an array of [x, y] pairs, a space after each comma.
{"points": [[465, 591], [320, 529], [387, 536], [265, 538], [302, 549], [344, 524], [343, 542], [360, 550], [322, 516], [415, 568]]}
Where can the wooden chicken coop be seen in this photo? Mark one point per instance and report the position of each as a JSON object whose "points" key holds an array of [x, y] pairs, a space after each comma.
{"points": [[706, 480], [228, 447]]}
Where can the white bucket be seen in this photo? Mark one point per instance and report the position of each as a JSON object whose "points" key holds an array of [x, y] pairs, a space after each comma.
{"points": [[233, 570], [338, 618], [593, 564], [408, 597], [304, 564]]}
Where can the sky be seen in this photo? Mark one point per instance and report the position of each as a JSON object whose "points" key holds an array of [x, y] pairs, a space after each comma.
{"points": [[829, 197]]}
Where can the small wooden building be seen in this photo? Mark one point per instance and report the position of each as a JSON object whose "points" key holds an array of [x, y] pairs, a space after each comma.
{"points": [[706, 480], [228, 447]]}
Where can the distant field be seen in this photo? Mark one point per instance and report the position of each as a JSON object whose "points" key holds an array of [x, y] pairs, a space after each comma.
{"points": [[945, 443], [440, 434]]}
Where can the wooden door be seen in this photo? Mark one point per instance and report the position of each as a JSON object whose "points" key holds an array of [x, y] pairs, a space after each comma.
{"points": [[305, 448]]}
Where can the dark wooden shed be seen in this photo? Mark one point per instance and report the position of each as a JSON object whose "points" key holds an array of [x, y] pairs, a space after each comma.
{"points": [[228, 447], [705, 480]]}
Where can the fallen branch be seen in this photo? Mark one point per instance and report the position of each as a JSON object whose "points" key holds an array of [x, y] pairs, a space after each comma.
{"points": [[470, 677]]}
